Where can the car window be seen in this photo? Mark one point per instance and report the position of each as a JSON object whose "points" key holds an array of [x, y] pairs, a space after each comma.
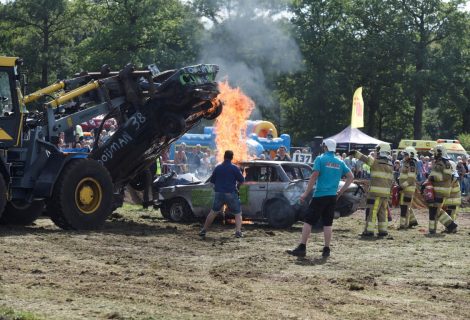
{"points": [[274, 175], [297, 172], [258, 174], [6, 103], [306, 172]]}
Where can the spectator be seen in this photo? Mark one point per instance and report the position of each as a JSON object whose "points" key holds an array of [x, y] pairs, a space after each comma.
{"points": [[463, 169], [396, 170], [270, 135], [76, 140], [358, 169], [350, 162], [225, 177], [419, 169], [282, 155], [180, 159], [205, 165], [426, 166], [194, 158]]}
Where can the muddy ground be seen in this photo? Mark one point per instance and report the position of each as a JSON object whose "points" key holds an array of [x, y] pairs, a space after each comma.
{"points": [[143, 267]]}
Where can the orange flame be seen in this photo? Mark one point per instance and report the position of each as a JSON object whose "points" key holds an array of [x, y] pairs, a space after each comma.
{"points": [[244, 221], [230, 126]]}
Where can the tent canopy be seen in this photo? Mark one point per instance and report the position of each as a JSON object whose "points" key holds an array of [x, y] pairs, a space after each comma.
{"points": [[353, 136]]}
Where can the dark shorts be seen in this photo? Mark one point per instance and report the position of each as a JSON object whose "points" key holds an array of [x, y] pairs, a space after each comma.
{"points": [[230, 199], [321, 207]]}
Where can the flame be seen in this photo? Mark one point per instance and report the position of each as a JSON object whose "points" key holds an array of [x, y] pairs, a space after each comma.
{"points": [[230, 126], [244, 221]]}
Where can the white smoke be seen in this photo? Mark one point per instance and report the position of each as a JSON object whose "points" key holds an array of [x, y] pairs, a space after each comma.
{"points": [[251, 48]]}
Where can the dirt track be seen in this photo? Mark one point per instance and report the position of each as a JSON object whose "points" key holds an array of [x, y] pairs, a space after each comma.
{"points": [[142, 267]]}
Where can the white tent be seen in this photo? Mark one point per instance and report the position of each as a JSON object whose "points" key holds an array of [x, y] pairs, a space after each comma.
{"points": [[353, 138]]}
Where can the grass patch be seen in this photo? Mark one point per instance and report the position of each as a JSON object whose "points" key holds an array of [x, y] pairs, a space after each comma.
{"points": [[10, 314]]}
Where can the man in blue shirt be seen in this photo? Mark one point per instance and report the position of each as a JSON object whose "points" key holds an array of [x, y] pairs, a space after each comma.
{"points": [[225, 177], [327, 172]]}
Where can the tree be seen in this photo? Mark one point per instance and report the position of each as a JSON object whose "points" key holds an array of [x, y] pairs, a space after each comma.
{"points": [[38, 31], [427, 23], [164, 32]]}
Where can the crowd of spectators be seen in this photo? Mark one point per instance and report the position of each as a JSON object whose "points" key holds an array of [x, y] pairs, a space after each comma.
{"points": [[359, 169], [83, 141]]}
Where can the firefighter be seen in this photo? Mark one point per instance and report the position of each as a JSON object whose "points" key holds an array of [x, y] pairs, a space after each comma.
{"points": [[407, 185], [441, 180], [381, 172], [452, 204]]}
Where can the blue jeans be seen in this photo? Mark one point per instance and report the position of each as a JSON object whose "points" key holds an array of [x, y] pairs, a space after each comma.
{"points": [[230, 199]]}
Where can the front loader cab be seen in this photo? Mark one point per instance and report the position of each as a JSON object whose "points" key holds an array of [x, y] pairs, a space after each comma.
{"points": [[10, 115]]}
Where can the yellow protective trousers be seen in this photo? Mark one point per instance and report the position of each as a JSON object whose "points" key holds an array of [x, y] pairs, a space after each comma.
{"points": [[436, 213], [407, 215], [377, 213], [452, 211]]}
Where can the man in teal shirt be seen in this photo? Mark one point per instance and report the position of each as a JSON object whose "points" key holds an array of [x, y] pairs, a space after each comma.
{"points": [[327, 172]]}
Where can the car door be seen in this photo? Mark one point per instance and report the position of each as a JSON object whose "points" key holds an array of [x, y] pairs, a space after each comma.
{"points": [[253, 192]]}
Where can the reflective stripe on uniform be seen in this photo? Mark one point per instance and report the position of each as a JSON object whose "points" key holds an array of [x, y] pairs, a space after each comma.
{"points": [[444, 218], [453, 201], [379, 174], [380, 190], [441, 189]]}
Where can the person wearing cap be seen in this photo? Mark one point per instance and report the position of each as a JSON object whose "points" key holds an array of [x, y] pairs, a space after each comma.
{"points": [[407, 185], [282, 155], [440, 178], [381, 181], [327, 173]]}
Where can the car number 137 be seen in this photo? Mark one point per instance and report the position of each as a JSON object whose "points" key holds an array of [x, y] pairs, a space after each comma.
{"points": [[302, 157]]}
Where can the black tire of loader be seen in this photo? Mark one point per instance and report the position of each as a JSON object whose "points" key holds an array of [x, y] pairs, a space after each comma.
{"points": [[64, 209], [22, 214], [3, 194]]}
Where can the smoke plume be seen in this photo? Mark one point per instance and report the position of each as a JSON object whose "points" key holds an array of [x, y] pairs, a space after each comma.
{"points": [[250, 49]]}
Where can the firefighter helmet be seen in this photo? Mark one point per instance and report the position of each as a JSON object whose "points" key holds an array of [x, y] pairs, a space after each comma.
{"points": [[330, 144], [440, 151], [383, 149], [411, 152]]}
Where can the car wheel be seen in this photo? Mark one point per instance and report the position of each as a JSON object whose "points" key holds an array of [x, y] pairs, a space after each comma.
{"points": [[22, 213], [177, 210], [280, 214], [343, 208], [172, 125], [215, 113]]}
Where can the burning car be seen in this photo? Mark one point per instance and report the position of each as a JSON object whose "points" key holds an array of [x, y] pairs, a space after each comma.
{"points": [[270, 193]]}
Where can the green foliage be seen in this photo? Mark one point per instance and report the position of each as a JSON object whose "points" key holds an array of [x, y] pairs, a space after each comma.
{"points": [[464, 139], [164, 32]]}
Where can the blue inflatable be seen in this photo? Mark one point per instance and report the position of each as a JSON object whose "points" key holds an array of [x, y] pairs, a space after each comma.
{"points": [[257, 139]]}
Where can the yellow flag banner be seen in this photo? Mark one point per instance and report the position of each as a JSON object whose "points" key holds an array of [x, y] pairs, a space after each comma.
{"points": [[357, 117]]}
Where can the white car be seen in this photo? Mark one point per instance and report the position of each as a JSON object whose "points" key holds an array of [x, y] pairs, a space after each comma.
{"points": [[270, 193]]}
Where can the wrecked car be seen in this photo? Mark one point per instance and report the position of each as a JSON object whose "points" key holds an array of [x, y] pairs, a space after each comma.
{"points": [[270, 193]]}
